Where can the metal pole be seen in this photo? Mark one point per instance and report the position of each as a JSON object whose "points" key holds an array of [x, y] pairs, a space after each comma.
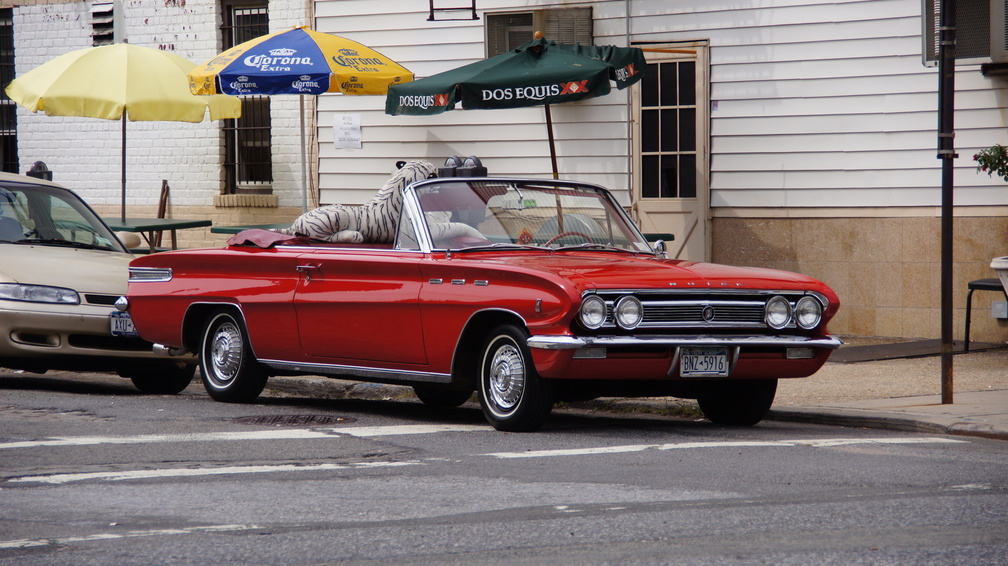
{"points": [[304, 161], [122, 181], [552, 143], [946, 152]]}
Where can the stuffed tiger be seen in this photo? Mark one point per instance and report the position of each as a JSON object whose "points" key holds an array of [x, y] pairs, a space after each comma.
{"points": [[372, 222]]}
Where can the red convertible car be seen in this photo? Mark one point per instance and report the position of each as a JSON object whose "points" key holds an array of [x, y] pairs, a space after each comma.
{"points": [[525, 291]]}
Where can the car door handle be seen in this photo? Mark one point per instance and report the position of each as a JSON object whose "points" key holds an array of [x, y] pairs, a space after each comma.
{"points": [[307, 270]]}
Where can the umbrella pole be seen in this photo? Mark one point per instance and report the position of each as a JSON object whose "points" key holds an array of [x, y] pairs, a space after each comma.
{"points": [[122, 204], [552, 143], [304, 162]]}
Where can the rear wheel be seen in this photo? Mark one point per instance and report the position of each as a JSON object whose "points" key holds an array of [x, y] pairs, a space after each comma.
{"points": [[738, 402], [230, 372], [444, 398], [512, 395]]}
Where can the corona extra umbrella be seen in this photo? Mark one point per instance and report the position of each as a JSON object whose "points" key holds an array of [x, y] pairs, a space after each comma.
{"points": [[298, 61], [118, 82], [538, 73]]}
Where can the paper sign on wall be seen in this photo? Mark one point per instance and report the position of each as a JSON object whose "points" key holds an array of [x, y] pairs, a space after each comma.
{"points": [[347, 130]]}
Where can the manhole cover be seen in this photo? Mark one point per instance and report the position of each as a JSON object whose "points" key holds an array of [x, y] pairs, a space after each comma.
{"points": [[293, 420]]}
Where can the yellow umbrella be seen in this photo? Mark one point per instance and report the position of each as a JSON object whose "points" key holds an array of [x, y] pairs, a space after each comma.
{"points": [[116, 82]]}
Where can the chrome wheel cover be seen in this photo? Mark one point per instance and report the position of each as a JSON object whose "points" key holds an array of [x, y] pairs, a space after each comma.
{"points": [[506, 378], [225, 352]]}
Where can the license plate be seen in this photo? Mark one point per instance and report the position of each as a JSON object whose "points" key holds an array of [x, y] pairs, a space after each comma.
{"points": [[703, 362], [122, 324]]}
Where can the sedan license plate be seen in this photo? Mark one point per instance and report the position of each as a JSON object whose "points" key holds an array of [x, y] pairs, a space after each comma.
{"points": [[703, 362], [122, 324]]}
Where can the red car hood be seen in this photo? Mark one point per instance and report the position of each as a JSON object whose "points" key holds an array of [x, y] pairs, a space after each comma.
{"points": [[615, 271]]}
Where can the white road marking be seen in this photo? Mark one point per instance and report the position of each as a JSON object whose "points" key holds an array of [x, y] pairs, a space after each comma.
{"points": [[197, 472], [279, 434], [815, 443], [30, 543], [396, 430]]}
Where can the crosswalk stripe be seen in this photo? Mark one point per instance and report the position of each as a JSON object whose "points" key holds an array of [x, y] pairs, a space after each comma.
{"points": [[812, 442], [31, 543], [279, 434], [120, 475]]}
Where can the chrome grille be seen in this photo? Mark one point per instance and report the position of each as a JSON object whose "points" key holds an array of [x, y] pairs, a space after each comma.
{"points": [[663, 313], [680, 310]]}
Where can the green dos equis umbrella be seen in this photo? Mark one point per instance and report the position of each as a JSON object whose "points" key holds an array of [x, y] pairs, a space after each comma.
{"points": [[538, 73]]}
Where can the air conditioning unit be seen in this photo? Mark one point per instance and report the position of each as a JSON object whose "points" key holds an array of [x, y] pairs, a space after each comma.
{"points": [[999, 31], [977, 22]]}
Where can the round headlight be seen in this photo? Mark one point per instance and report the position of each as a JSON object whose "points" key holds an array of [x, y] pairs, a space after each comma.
{"points": [[593, 312], [778, 312], [808, 313], [628, 312]]}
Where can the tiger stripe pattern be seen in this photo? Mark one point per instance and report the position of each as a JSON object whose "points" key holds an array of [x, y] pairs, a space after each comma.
{"points": [[372, 222]]}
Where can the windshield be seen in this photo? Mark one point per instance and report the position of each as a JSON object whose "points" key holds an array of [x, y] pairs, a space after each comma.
{"points": [[44, 215], [468, 214]]}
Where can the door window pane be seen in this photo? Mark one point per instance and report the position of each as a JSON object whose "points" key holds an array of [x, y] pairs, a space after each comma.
{"points": [[668, 130]]}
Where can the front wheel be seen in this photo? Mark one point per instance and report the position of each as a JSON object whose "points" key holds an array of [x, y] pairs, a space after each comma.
{"points": [[512, 395], [230, 372], [738, 403], [441, 398]]}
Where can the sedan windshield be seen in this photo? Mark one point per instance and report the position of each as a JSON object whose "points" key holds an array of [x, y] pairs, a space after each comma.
{"points": [[44, 215], [496, 214]]}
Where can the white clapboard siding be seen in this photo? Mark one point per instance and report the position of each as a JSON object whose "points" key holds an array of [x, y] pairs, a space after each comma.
{"points": [[813, 103], [827, 104]]}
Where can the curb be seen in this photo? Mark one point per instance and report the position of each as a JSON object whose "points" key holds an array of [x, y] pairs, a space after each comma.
{"points": [[887, 421], [330, 388]]}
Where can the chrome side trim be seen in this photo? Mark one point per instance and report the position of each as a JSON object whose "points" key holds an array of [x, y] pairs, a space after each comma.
{"points": [[358, 371], [150, 274], [578, 342]]}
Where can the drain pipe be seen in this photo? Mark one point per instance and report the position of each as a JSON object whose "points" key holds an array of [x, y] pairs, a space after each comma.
{"points": [[629, 105]]}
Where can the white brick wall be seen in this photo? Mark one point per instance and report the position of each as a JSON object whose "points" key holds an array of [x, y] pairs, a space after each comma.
{"points": [[85, 154]]}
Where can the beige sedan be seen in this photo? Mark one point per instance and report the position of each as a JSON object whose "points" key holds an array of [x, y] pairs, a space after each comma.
{"points": [[61, 272]]}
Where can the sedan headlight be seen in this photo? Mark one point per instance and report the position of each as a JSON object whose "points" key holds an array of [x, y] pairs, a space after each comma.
{"points": [[808, 313], [778, 312], [38, 294], [593, 312], [628, 312]]}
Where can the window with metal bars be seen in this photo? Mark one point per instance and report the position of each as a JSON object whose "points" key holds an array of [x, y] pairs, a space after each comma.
{"points": [[248, 150], [8, 109], [668, 130]]}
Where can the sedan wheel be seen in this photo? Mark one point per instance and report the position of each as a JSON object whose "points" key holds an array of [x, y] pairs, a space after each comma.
{"points": [[739, 402], [230, 372], [512, 395], [162, 378]]}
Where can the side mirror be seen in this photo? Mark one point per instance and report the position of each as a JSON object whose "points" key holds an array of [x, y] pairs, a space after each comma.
{"points": [[660, 250], [129, 239]]}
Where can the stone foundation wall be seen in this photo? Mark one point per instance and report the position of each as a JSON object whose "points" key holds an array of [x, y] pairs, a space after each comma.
{"points": [[886, 271]]}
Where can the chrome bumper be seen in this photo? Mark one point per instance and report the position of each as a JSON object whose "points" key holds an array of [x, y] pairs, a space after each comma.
{"points": [[578, 342]]}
